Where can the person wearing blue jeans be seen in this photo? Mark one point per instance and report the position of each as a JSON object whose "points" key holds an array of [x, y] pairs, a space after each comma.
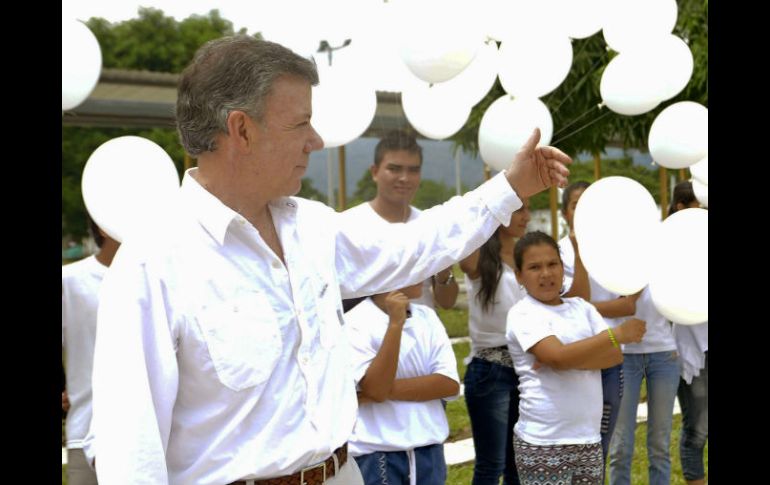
{"points": [[655, 359], [492, 397], [491, 384], [612, 393]]}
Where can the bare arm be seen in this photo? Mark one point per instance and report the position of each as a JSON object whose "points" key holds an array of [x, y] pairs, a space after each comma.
{"points": [[445, 288], [623, 306], [580, 285], [423, 388], [470, 265], [378, 380], [596, 352]]}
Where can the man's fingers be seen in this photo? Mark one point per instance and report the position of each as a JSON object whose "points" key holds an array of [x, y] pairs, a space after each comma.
{"points": [[530, 145]]}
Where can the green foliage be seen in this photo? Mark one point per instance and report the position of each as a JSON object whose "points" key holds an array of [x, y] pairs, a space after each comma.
{"points": [[579, 124], [155, 42], [308, 191], [432, 193]]}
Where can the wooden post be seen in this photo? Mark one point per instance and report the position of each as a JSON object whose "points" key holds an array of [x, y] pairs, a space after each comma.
{"points": [[341, 195], [487, 172], [553, 193], [597, 166], [663, 191], [682, 175], [187, 161]]}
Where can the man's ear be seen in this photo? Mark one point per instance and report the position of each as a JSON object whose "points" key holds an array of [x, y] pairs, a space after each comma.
{"points": [[238, 128], [373, 170]]}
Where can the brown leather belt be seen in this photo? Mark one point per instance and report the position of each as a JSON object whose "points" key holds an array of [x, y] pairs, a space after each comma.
{"points": [[312, 475]]}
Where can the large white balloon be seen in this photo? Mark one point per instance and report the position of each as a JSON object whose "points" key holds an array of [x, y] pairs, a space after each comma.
{"points": [[625, 87], [582, 18], [616, 221], [665, 63], [679, 285], [125, 181], [700, 170], [475, 81], [679, 135], [343, 103], [631, 23], [438, 39], [533, 63], [701, 191], [507, 124], [81, 62], [434, 114]]}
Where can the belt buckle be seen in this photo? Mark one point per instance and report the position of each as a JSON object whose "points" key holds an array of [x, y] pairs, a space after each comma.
{"points": [[310, 468]]}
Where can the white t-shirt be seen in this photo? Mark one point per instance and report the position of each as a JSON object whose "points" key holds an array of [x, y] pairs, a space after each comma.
{"points": [[425, 349], [80, 282], [487, 328], [365, 214], [659, 336], [692, 342], [598, 292], [556, 407]]}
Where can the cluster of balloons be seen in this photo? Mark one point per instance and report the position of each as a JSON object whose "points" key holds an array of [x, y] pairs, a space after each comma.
{"points": [[625, 247]]}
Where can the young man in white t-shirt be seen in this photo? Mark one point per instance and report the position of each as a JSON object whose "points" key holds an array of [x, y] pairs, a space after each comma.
{"points": [[404, 366], [396, 172]]}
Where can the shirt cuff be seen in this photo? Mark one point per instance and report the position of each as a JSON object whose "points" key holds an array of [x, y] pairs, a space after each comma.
{"points": [[500, 198]]}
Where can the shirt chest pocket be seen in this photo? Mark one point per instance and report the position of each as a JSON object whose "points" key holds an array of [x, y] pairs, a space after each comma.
{"points": [[243, 339]]}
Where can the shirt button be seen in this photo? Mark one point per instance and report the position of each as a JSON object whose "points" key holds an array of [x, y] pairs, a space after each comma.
{"points": [[276, 264], [304, 360]]}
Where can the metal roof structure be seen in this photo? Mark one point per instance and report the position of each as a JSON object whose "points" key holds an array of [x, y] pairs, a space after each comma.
{"points": [[143, 99]]}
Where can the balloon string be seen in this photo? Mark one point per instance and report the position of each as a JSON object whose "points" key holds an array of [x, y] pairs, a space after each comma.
{"points": [[581, 128], [578, 85], [575, 120]]}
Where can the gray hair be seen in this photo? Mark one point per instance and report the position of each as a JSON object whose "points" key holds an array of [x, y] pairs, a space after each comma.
{"points": [[226, 74]]}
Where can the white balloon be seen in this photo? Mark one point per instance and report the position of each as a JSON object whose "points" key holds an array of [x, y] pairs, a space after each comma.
{"points": [[81, 63], [434, 114], [679, 135], [475, 81], [701, 191], [625, 87], [616, 220], [533, 63], [700, 170], [507, 124], [501, 19], [630, 23], [583, 18], [125, 181], [438, 39], [343, 103], [665, 63], [679, 285]]}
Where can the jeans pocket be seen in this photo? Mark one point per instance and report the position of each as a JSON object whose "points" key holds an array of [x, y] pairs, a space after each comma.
{"points": [[480, 377]]}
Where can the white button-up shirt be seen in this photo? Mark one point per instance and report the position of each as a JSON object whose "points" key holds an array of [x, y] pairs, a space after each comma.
{"points": [[216, 362]]}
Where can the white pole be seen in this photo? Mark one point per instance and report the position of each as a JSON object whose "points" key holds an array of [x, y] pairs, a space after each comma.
{"points": [[329, 177], [457, 171]]}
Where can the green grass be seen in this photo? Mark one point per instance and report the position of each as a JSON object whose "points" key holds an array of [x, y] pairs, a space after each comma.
{"points": [[455, 320]]}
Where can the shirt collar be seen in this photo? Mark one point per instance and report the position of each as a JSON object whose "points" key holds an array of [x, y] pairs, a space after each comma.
{"points": [[213, 215]]}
